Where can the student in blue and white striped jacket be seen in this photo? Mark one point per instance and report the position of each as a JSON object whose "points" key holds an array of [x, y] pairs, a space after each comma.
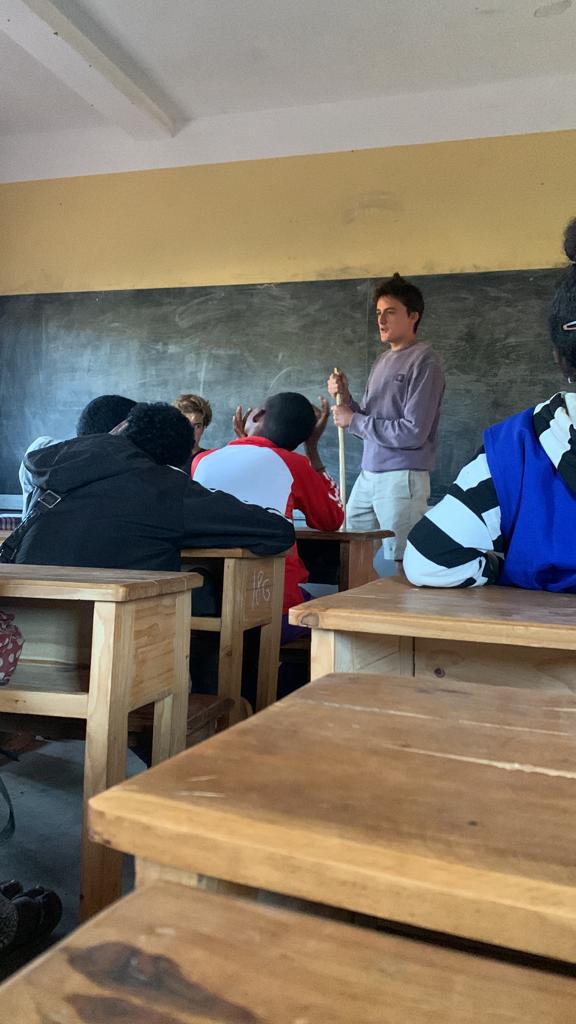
{"points": [[509, 517]]}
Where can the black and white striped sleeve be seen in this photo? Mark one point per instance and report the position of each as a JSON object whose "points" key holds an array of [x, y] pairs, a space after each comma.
{"points": [[458, 542]]}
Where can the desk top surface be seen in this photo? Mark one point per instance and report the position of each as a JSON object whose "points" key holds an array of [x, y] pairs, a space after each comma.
{"points": [[189, 554], [448, 808], [84, 584], [174, 954], [491, 614], [344, 536]]}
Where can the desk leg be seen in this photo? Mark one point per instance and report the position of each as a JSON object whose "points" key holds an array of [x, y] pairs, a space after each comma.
{"points": [[356, 568], [112, 665], [148, 872], [171, 713], [269, 659], [322, 653], [334, 651], [231, 633]]}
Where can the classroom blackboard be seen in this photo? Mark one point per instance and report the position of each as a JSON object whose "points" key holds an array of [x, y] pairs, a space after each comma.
{"points": [[237, 344]]}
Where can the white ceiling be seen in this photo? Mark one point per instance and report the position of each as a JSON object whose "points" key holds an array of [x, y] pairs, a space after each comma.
{"points": [[328, 74]]}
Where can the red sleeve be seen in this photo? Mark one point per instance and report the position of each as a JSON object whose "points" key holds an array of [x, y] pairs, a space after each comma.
{"points": [[316, 494]]}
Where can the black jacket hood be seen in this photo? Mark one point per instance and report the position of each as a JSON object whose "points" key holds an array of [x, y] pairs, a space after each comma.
{"points": [[70, 464]]}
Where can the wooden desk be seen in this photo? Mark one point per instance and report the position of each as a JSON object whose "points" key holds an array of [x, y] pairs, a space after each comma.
{"points": [[166, 955], [252, 595], [356, 552], [451, 809], [499, 635], [97, 644]]}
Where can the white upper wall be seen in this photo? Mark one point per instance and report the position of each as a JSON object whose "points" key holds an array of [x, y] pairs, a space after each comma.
{"points": [[98, 85]]}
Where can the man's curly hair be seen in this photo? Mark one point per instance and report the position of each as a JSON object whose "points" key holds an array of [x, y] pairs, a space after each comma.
{"points": [[161, 431]]}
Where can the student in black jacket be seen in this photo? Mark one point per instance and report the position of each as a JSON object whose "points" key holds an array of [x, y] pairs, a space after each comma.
{"points": [[118, 503]]}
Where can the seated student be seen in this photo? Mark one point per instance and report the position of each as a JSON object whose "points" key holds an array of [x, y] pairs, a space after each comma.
{"points": [[509, 517], [262, 467], [198, 412], [120, 504], [99, 417]]}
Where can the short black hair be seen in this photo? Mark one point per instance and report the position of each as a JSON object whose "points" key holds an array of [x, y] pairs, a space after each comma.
{"points": [[289, 419], [408, 294], [161, 431], [102, 414], [563, 309]]}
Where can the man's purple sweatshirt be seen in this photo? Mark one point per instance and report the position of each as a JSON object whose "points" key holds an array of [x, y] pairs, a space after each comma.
{"points": [[399, 413]]}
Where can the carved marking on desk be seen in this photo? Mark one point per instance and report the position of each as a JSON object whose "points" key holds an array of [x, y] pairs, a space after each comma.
{"points": [[432, 718], [507, 766], [261, 592]]}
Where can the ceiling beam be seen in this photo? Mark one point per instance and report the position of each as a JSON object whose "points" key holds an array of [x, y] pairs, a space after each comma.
{"points": [[53, 40]]}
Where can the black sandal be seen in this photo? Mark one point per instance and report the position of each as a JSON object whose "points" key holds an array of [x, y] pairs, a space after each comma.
{"points": [[38, 912]]}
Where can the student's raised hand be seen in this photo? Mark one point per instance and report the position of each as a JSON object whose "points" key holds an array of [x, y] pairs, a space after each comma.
{"points": [[322, 415], [338, 385], [239, 421]]}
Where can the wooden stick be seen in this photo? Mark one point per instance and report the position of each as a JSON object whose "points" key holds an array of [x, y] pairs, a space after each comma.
{"points": [[341, 459]]}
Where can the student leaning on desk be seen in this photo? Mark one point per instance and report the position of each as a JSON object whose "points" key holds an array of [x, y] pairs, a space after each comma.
{"points": [[114, 501], [100, 416], [509, 517]]}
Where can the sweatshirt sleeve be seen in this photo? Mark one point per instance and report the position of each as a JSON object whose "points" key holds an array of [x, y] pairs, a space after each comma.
{"points": [[411, 431], [213, 519], [458, 543], [316, 494]]}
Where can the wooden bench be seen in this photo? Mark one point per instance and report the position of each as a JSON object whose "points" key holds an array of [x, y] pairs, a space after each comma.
{"points": [[356, 550], [499, 635], [167, 955], [99, 643], [252, 595], [449, 808]]}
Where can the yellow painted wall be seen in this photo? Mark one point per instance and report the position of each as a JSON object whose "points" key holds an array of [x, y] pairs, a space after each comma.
{"points": [[484, 204]]}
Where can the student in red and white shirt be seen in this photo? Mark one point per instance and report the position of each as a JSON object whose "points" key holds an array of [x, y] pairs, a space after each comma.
{"points": [[263, 468]]}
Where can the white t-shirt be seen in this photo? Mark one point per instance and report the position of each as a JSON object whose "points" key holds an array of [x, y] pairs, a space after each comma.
{"points": [[23, 474]]}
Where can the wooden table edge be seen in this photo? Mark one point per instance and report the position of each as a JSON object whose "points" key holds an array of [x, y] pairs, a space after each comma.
{"points": [[541, 924]]}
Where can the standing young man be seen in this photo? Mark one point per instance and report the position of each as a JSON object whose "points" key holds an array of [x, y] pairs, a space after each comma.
{"points": [[397, 419]]}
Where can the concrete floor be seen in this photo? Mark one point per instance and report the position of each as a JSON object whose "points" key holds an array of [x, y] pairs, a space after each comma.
{"points": [[46, 790]]}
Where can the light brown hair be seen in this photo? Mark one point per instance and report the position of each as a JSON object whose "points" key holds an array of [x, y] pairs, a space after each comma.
{"points": [[189, 404]]}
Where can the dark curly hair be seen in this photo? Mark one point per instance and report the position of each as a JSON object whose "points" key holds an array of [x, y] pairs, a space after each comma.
{"points": [[161, 431], [407, 293], [102, 414], [563, 309]]}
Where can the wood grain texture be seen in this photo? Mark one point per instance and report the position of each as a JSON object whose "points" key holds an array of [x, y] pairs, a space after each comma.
{"points": [[191, 554], [495, 664], [81, 584], [169, 955], [452, 809], [506, 615]]}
